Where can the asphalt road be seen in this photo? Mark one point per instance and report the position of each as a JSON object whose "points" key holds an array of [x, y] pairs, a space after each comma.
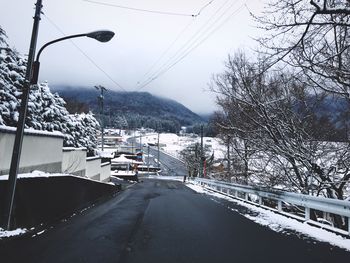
{"points": [[169, 165], [164, 221]]}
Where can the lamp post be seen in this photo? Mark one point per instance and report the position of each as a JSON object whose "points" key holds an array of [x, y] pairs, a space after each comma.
{"points": [[21, 121], [31, 78]]}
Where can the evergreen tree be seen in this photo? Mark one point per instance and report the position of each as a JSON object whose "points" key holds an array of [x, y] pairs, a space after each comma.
{"points": [[12, 70], [46, 111]]}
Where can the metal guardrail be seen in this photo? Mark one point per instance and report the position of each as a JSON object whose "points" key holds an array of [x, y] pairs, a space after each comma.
{"points": [[334, 206]]}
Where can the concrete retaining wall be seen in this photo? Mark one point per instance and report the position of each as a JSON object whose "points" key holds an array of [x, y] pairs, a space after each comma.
{"points": [[44, 200]]}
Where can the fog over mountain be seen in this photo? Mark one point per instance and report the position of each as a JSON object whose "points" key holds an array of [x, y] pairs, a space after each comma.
{"points": [[138, 108]]}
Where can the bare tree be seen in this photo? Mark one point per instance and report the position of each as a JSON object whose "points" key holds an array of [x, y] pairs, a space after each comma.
{"points": [[312, 37], [272, 113]]}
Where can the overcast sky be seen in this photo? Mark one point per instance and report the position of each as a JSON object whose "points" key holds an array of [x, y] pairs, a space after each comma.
{"points": [[141, 40]]}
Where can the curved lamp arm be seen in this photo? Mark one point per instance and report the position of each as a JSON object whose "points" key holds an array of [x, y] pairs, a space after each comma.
{"points": [[101, 35]]}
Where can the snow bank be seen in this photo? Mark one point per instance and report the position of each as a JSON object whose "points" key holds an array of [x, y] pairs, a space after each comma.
{"points": [[278, 222], [37, 174], [16, 232], [172, 178], [174, 144], [34, 174]]}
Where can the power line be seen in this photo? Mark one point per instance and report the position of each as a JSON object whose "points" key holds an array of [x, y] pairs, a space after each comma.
{"points": [[167, 50], [188, 43], [191, 44], [148, 10], [175, 40], [85, 54], [204, 7], [193, 48]]}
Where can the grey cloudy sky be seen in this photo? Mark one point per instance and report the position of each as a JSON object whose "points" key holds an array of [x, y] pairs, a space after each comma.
{"points": [[141, 39]]}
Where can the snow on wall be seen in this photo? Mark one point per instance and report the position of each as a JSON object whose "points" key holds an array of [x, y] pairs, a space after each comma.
{"points": [[12, 130]]}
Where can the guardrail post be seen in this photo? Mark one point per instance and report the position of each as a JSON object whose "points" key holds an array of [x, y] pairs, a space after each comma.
{"points": [[340, 207], [307, 213], [279, 206]]}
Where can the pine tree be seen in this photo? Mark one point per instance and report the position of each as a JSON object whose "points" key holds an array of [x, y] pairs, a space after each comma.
{"points": [[12, 70], [46, 111]]}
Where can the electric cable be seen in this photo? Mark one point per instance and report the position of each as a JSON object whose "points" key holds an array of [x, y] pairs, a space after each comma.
{"points": [[174, 42], [147, 10], [167, 50], [190, 51], [190, 41], [85, 54]]}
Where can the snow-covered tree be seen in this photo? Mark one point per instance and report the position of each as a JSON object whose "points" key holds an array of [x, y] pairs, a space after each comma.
{"points": [[273, 115], [313, 37], [46, 111], [12, 70], [81, 131]]}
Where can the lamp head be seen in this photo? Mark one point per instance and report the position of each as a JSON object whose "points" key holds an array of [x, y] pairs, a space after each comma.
{"points": [[101, 35]]}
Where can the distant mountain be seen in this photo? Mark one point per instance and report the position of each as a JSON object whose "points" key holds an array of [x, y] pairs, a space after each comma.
{"points": [[138, 108]]}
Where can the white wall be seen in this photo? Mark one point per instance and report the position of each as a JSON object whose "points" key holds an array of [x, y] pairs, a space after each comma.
{"points": [[105, 173], [93, 168], [44, 151], [40, 150], [74, 161]]}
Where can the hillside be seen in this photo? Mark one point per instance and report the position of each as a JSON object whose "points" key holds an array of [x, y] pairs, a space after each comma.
{"points": [[138, 108]]}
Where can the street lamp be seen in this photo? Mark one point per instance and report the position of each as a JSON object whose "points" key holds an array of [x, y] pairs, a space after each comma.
{"points": [[101, 35], [31, 78]]}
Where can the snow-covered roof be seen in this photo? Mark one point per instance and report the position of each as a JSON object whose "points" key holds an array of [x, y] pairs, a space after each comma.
{"points": [[69, 149], [123, 159]]}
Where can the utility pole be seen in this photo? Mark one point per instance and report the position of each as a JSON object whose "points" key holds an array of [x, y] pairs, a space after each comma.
{"points": [[101, 99], [110, 118], [228, 155], [132, 140], [17, 148], [140, 141], [158, 152], [201, 154], [148, 160]]}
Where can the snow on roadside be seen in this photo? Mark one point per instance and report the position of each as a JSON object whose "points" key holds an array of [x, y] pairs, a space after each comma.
{"points": [[162, 177], [280, 223], [41, 174], [174, 144], [34, 174], [11, 233]]}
